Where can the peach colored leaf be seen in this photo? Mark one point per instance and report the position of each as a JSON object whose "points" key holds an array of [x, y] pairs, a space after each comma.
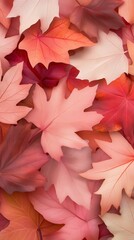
{"points": [[104, 60], [7, 45], [52, 46], [130, 46], [30, 11], [5, 7], [122, 226], [21, 157], [25, 222], [60, 118], [126, 10], [117, 171], [79, 222], [11, 93], [64, 175]]}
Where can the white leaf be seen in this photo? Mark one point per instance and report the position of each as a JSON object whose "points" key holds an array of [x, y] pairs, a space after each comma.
{"points": [[122, 226], [106, 59], [30, 11]]}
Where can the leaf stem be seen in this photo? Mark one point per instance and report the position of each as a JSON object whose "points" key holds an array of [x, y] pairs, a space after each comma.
{"points": [[40, 234]]}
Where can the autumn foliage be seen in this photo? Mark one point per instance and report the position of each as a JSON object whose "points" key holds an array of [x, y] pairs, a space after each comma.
{"points": [[66, 120]]}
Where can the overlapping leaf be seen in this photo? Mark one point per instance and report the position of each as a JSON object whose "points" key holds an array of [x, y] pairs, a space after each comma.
{"points": [[116, 103], [104, 60], [79, 222], [5, 7], [52, 46], [11, 93], [67, 170], [7, 45], [121, 226], [117, 171], [31, 11], [21, 158], [60, 118], [91, 16], [60, 44], [25, 222]]}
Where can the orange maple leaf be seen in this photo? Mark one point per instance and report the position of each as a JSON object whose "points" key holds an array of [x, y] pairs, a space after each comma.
{"points": [[53, 45], [25, 221]]}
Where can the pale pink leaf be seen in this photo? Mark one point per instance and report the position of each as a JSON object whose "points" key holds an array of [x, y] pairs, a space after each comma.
{"points": [[30, 11], [64, 175], [11, 93], [60, 118], [117, 171], [7, 45], [104, 60], [79, 222]]}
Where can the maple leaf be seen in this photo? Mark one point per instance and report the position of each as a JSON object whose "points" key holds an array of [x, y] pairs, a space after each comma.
{"points": [[52, 46], [121, 226], [79, 222], [92, 15], [11, 93], [25, 221], [31, 11], [117, 171], [7, 45], [104, 60], [19, 165], [64, 175], [60, 117], [116, 103], [126, 10], [5, 7]]}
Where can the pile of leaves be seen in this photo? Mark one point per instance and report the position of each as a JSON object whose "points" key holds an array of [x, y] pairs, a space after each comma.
{"points": [[66, 119]]}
